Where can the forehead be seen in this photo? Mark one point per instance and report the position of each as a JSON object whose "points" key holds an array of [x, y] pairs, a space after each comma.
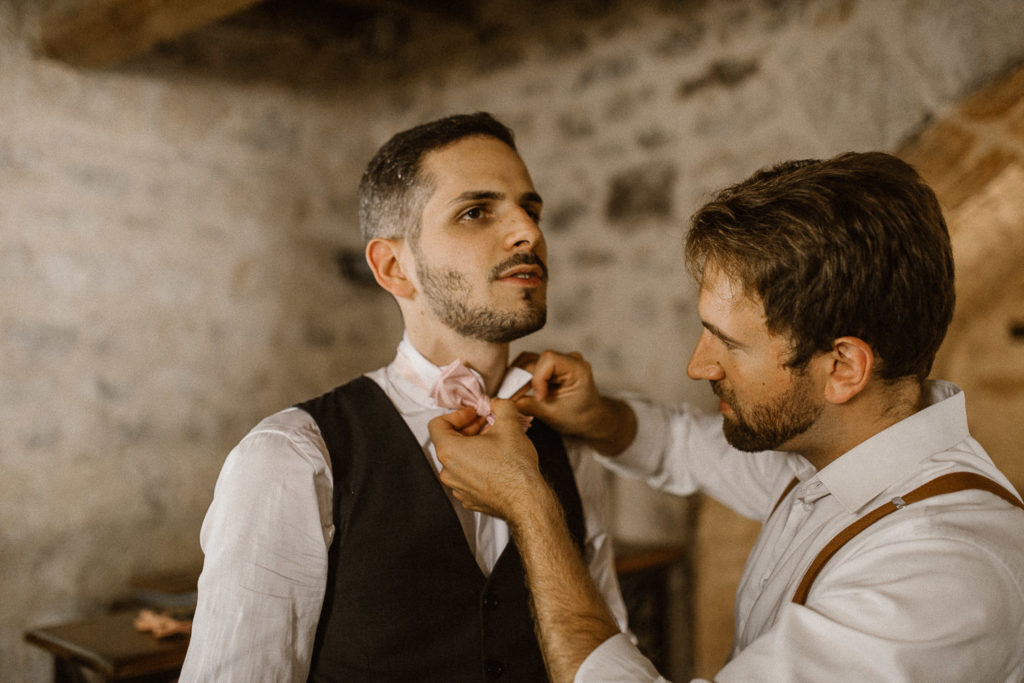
{"points": [[723, 302], [478, 163]]}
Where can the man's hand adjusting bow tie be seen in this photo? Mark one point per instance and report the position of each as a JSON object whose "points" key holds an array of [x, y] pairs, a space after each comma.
{"points": [[458, 387]]}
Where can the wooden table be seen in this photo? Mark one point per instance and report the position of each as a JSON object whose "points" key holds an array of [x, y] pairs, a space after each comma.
{"points": [[645, 574], [110, 646]]}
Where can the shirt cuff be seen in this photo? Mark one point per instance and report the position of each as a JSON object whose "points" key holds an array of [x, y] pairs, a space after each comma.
{"points": [[641, 457], [616, 660]]}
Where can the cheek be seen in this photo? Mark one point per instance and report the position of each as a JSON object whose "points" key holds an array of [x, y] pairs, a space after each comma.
{"points": [[541, 249], [749, 385]]}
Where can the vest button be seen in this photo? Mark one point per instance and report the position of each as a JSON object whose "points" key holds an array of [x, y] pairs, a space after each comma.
{"points": [[491, 602], [494, 668]]}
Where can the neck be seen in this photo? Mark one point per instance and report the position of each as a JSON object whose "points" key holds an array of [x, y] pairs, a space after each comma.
{"points": [[441, 348], [841, 427]]}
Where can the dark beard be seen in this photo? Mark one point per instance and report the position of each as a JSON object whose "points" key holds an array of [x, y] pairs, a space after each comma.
{"points": [[766, 427], [446, 291]]}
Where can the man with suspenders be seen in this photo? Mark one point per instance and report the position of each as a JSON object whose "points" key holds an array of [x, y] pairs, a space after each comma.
{"points": [[892, 547]]}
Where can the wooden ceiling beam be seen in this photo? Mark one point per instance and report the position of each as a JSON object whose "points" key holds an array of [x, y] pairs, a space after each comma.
{"points": [[102, 33]]}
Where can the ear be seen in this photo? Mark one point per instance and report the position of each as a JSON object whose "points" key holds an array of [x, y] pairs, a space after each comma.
{"points": [[850, 364], [382, 255]]}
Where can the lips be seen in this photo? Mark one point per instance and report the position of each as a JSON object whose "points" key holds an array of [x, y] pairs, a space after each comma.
{"points": [[522, 268], [524, 274]]}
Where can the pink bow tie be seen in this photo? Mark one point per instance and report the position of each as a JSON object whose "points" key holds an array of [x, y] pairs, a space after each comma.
{"points": [[458, 386]]}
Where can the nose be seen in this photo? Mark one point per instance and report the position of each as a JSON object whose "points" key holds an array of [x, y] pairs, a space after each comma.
{"points": [[702, 363], [523, 231]]}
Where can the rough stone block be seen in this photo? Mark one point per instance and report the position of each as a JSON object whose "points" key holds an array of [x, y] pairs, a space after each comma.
{"points": [[936, 151], [642, 193], [997, 99]]}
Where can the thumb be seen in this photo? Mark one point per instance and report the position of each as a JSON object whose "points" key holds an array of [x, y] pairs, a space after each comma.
{"points": [[526, 360], [451, 423], [529, 405], [504, 410]]}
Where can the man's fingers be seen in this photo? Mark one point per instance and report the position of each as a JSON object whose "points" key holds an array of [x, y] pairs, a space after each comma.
{"points": [[477, 426], [527, 405], [461, 419], [544, 371], [504, 409], [554, 369], [526, 360]]}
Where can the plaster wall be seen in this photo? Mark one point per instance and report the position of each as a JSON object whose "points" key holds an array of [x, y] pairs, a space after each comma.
{"points": [[169, 236]]}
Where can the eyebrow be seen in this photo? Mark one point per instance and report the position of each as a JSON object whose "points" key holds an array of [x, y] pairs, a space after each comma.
{"points": [[720, 334], [472, 195]]}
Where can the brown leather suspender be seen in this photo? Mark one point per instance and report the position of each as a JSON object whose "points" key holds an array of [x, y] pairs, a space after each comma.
{"points": [[947, 483], [785, 492]]}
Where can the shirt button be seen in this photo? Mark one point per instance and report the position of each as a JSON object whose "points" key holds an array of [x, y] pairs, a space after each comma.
{"points": [[491, 602], [764, 581], [494, 668]]}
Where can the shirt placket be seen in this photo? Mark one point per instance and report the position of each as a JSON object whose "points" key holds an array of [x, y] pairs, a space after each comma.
{"points": [[773, 568]]}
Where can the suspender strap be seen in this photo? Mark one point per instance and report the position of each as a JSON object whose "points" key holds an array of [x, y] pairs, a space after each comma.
{"points": [[785, 492], [947, 483]]}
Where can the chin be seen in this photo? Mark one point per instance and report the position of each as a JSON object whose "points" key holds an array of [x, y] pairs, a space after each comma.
{"points": [[523, 328]]}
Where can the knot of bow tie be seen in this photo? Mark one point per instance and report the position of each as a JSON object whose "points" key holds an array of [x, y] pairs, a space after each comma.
{"points": [[458, 386]]}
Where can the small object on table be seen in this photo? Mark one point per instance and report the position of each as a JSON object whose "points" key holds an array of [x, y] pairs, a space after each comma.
{"points": [[111, 646], [161, 624]]}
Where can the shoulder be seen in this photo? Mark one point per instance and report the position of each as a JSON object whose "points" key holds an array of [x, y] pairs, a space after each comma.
{"points": [[969, 543], [288, 440], [980, 521], [949, 573]]}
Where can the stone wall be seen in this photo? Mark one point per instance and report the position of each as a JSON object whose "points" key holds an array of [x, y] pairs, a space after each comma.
{"points": [[171, 230], [974, 158]]}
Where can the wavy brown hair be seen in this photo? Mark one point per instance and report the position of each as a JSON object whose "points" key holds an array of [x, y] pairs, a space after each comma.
{"points": [[854, 246]]}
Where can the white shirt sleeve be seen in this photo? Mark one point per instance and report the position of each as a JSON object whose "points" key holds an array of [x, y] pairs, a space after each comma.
{"points": [[681, 451], [616, 660], [265, 538]]}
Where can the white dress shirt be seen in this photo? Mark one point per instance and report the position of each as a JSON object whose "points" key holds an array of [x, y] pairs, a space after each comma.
{"points": [[933, 592], [267, 531]]}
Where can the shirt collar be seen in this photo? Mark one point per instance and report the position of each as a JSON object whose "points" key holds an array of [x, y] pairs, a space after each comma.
{"points": [[413, 375], [864, 472]]}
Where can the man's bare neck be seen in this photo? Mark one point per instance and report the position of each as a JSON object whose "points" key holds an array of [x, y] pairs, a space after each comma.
{"points": [[488, 359]]}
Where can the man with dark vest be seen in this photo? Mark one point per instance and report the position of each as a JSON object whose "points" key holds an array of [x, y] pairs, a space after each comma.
{"points": [[892, 547], [333, 552]]}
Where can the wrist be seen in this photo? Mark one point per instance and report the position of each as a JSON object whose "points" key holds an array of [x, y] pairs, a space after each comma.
{"points": [[537, 508], [613, 426]]}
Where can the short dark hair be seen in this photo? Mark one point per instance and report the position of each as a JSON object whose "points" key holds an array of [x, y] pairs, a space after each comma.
{"points": [[854, 246], [393, 190]]}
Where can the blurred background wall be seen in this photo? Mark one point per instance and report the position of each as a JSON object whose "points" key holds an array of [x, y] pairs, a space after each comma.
{"points": [[178, 229]]}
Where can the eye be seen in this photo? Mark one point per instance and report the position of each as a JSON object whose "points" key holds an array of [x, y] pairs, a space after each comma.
{"points": [[726, 342], [473, 214], [533, 213], [729, 344]]}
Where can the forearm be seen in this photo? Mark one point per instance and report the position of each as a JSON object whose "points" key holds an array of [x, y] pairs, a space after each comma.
{"points": [[612, 427], [572, 618]]}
